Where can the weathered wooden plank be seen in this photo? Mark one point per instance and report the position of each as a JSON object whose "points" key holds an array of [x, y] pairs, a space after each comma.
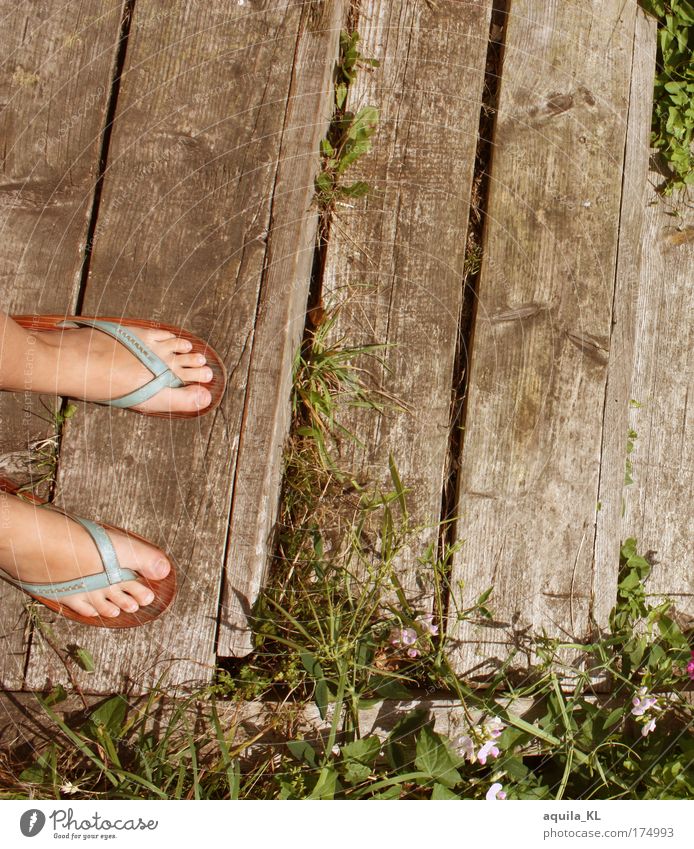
{"points": [[658, 505], [395, 262], [55, 81], [279, 323], [185, 214], [630, 280], [531, 457]]}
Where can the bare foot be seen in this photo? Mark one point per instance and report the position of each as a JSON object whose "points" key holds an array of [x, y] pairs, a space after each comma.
{"points": [[41, 546], [90, 365]]}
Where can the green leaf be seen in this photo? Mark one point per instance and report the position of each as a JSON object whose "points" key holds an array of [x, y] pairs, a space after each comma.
{"points": [[397, 483], [628, 548], [441, 792], [110, 714], [56, 695], [364, 751], [321, 696], [671, 632], [629, 582], [327, 784], [32, 775], [81, 657], [515, 768], [324, 182], [390, 793], [400, 744], [434, 758], [311, 665], [654, 7], [355, 190], [613, 718], [356, 773], [303, 752], [340, 95]]}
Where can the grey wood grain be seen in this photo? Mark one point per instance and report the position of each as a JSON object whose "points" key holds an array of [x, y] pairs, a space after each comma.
{"points": [[279, 323], [55, 80], [181, 237], [395, 260], [631, 285], [658, 505], [530, 464]]}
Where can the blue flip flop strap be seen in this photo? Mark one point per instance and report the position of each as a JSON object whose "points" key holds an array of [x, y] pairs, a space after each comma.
{"points": [[112, 574], [163, 378]]}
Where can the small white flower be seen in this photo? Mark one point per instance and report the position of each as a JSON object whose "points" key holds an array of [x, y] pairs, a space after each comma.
{"points": [[335, 750]]}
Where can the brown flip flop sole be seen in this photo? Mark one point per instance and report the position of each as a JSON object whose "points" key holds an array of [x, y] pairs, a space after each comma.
{"points": [[216, 387], [164, 591]]}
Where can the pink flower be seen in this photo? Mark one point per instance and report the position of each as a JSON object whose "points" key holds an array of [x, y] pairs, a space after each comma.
{"points": [[427, 623], [466, 748], [403, 637], [690, 667], [642, 702], [494, 727], [412, 653], [489, 750], [648, 727], [495, 792]]}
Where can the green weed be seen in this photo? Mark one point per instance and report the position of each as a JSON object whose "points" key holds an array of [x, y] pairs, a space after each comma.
{"points": [[673, 109], [349, 134], [42, 454]]}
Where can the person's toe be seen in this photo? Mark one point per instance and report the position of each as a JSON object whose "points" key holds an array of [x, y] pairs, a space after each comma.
{"points": [[196, 375], [103, 606], [186, 399], [154, 334], [182, 361], [137, 592], [175, 345], [122, 600], [81, 605]]}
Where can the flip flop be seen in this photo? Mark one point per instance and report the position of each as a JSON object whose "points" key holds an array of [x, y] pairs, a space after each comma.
{"points": [[49, 594], [163, 377]]}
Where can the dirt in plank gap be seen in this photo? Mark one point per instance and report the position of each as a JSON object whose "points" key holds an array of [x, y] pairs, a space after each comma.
{"points": [[473, 262]]}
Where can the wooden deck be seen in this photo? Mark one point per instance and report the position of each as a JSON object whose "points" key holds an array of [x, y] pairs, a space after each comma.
{"points": [[159, 161]]}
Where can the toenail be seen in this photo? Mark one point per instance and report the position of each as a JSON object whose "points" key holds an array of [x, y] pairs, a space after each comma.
{"points": [[207, 374], [200, 358], [187, 344], [161, 568], [148, 598]]}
